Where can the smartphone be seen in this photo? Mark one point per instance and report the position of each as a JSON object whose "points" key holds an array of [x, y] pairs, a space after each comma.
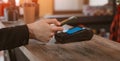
{"points": [[75, 29]]}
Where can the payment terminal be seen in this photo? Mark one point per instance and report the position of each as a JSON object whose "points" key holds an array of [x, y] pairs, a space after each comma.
{"points": [[74, 34]]}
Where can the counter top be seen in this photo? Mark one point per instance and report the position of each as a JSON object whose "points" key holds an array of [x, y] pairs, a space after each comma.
{"points": [[96, 49]]}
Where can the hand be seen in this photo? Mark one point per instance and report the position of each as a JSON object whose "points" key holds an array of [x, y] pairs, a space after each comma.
{"points": [[42, 29]]}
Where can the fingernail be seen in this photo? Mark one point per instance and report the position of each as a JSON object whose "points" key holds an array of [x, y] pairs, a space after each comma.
{"points": [[59, 23]]}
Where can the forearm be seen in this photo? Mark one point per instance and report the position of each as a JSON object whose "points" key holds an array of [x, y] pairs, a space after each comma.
{"points": [[13, 37]]}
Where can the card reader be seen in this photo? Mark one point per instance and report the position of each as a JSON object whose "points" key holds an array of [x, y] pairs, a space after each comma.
{"points": [[75, 34]]}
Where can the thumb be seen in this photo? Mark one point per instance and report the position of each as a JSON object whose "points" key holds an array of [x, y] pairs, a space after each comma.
{"points": [[57, 29]]}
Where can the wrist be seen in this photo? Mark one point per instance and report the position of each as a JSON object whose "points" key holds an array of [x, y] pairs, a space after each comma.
{"points": [[31, 34]]}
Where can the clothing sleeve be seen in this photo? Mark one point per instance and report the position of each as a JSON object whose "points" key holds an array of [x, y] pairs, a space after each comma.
{"points": [[13, 37]]}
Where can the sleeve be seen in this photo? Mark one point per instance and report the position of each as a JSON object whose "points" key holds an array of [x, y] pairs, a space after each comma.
{"points": [[13, 37]]}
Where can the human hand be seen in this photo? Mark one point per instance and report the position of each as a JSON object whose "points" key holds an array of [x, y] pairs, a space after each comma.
{"points": [[42, 29]]}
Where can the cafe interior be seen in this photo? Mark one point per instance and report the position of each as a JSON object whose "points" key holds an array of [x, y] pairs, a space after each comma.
{"points": [[102, 17]]}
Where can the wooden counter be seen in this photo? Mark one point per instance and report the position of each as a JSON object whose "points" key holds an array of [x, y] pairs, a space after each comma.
{"points": [[97, 49]]}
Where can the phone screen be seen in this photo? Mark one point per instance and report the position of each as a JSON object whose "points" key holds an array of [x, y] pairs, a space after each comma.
{"points": [[73, 30]]}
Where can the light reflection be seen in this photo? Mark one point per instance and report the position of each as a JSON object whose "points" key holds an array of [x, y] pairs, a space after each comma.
{"points": [[17, 2], [5, 1], [98, 2]]}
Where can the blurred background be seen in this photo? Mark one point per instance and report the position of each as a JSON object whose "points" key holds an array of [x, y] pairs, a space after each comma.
{"points": [[95, 14]]}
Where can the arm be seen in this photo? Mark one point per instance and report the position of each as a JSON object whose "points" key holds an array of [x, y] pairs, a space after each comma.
{"points": [[13, 37], [17, 36]]}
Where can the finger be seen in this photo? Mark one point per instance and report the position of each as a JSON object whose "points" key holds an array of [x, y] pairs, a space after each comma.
{"points": [[53, 21], [57, 29], [52, 34]]}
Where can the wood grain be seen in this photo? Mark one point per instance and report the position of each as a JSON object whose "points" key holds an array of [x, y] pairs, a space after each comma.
{"points": [[97, 49]]}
